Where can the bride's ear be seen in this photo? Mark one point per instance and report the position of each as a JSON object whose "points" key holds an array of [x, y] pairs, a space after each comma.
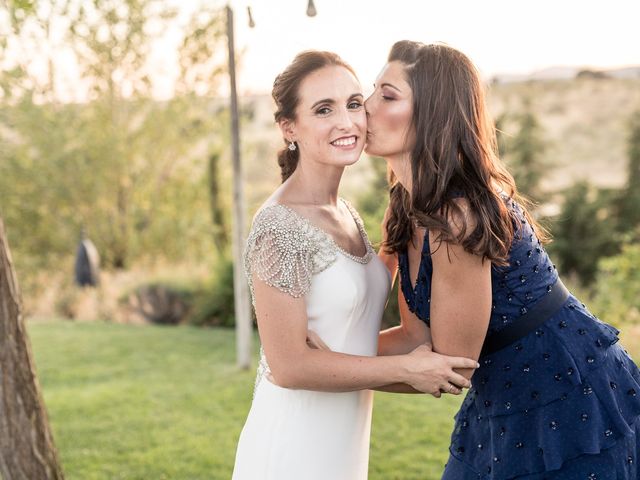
{"points": [[288, 129]]}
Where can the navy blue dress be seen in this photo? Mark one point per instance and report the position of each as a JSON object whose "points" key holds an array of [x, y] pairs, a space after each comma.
{"points": [[563, 402]]}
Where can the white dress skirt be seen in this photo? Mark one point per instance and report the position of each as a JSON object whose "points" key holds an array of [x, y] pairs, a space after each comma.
{"points": [[301, 434]]}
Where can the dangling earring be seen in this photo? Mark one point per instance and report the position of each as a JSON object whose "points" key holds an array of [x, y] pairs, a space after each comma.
{"points": [[292, 146]]}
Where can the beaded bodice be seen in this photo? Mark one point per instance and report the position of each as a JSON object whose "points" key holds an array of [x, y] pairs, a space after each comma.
{"points": [[285, 249]]}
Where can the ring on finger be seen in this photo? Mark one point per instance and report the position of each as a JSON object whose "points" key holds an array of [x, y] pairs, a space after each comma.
{"points": [[451, 388]]}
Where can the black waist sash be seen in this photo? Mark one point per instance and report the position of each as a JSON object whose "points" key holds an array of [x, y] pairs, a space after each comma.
{"points": [[540, 313]]}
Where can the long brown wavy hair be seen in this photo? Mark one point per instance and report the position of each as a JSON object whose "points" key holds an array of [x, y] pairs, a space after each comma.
{"points": [[455, 155]]}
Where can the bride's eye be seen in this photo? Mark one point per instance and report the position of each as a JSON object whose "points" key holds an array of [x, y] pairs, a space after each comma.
{"points": [[323, 111]]}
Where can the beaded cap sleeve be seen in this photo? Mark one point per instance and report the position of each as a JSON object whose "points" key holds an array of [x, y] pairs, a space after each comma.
{"points": [[285, 250]]}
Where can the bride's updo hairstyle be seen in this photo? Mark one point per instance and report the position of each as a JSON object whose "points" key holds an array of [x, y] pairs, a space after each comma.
{"points": [[285, 94]]}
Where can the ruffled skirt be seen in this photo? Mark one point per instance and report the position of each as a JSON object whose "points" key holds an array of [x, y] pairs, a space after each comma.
{"points": [[562, 403]]}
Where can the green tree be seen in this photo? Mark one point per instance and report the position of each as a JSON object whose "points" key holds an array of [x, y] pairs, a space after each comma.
{"points": [[585, 231], [524, 152], [130, 169], [616, 297], [630, 198], [373, 202]]}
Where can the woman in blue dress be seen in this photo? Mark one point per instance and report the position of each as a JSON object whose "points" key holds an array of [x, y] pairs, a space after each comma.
{"points": [[556, 396]]}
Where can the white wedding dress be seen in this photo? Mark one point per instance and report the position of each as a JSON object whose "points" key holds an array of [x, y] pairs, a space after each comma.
{"points": [[301, 434]]}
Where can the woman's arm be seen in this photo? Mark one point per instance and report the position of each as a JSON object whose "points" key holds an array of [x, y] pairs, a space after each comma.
{"points": [[460, 300], [282, 324], [411, 332], [403, 338]]}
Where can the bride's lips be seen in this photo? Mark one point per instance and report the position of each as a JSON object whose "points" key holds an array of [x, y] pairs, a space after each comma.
{"points": [[346, 143]]}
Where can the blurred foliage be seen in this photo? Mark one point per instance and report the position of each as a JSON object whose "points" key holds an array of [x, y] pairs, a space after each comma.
{"points": [[201, 301], [148, 179], [524, 152], [594, 223], [585, 230], [629, 203], [132, 171], [371, 205], [372, 202], [214, 303], [616, 296]]}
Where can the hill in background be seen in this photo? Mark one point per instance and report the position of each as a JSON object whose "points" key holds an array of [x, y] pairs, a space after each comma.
{"points": [[584, 120]]}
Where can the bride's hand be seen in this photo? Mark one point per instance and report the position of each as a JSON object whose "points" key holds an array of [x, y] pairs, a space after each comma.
{"points": [[314, 341], [433, 373]]}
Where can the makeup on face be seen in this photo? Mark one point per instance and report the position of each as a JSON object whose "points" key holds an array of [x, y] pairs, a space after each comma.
{"points": [[389, 113]]}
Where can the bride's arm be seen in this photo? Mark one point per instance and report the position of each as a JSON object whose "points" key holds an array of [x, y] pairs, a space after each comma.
{"points": [[282, 324]]}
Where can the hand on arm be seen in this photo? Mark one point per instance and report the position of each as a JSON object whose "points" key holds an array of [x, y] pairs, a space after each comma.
{"points": [[413, 335], [295, 364]]}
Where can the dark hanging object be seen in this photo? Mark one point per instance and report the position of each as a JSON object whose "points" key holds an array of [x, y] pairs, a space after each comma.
{"points": [[311, 9], [251, 22], [87, 268]]}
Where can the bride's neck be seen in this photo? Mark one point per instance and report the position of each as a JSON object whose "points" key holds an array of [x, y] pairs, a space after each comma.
{"points": [[316, 185]]}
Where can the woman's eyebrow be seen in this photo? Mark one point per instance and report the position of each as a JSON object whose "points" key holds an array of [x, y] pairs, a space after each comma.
{"points": [[331, 101], [391, 86]]}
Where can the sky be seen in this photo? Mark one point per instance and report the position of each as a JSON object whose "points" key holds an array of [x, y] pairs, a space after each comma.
{"points": [[500, 36]]}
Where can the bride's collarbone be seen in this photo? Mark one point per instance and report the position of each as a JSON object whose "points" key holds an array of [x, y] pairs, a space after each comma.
{"points": [[340, 225]]}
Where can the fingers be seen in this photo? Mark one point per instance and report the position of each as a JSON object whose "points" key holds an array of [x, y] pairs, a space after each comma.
{"points": [[451, 389], [460, 362], [458, 380], [314, 341]]}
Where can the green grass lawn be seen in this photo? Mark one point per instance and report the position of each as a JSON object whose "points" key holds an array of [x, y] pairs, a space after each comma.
{"points": [[142, 402], [131, 402]]}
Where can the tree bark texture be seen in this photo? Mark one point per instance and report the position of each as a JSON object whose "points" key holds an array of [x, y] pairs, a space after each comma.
{"points": [[27, 451]]}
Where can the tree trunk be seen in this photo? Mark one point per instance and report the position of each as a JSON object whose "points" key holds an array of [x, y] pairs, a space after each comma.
{"points": [[27, 451]]}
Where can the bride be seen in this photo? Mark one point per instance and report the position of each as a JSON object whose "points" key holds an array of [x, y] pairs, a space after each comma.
{"points": [[311, 266]]}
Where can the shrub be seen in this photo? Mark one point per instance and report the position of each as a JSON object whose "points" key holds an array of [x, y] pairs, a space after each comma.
{"points": [[617, 290], [214, 302]]}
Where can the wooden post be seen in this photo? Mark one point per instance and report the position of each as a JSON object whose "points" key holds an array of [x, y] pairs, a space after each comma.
{"points": [[27, 451], [240, 287]]}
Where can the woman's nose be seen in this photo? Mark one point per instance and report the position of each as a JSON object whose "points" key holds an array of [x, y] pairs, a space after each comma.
{"points": [[344, 120]]}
